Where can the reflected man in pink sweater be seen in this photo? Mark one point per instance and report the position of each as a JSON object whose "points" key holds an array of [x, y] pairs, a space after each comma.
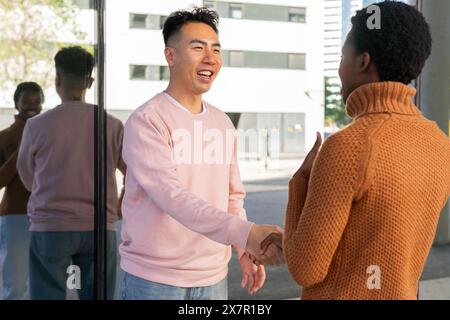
{"points": [[183, 203]]}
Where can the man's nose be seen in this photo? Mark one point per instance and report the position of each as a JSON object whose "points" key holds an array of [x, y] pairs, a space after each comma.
{"points": [[209, 57]]}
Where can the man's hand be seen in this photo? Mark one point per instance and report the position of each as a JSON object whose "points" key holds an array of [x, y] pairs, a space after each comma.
{"points": [[252, 274], [273, 255], [305, 168]]}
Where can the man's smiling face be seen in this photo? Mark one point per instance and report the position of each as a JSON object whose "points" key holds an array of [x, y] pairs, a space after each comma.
{"points": [[196, 58]]}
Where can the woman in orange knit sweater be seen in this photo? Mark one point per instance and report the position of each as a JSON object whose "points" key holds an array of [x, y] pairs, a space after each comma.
{"points": [[361, 222]]}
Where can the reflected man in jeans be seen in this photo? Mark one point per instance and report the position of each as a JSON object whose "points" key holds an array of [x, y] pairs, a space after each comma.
{"points": [[56, 162]]}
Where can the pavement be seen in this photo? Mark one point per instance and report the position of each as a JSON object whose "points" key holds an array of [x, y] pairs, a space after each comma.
{"points": [[265, 203], [252, 171]]}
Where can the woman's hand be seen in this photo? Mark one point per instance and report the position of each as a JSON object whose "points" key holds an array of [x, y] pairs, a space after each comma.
{"points": [[305, 168]]}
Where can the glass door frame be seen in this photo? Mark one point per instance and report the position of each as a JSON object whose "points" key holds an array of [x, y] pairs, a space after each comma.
{"points": [[100, 197]]}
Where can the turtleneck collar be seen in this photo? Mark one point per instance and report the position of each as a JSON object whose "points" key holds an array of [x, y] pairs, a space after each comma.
{"points": [[381, 97]]}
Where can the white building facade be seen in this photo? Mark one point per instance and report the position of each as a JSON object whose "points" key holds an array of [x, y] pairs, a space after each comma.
{"points": [[272, 75]]}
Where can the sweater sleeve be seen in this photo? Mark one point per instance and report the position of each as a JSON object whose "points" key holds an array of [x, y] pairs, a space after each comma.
{"points": [[8, 170], [236, 193], [298, 188], [148, 155], [318, 211]]}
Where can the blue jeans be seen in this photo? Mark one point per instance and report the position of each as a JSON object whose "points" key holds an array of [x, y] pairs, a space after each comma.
{"points": [[51, 253], [135, 288], [14, 247]]}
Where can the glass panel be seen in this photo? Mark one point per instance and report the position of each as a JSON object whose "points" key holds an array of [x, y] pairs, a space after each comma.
{"points": [[293, 133], [248, 136], [47, 162]]}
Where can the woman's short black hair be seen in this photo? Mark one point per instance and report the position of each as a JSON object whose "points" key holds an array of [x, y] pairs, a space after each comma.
{"points": [[27, 87], [75, 62], [177, 19], [400, 47]]}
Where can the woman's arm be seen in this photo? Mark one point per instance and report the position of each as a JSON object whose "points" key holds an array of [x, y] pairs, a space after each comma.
{"points": [[318, 211]]}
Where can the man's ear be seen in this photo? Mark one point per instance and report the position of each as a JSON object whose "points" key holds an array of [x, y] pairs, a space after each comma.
{"points": [[169, 53], [364, 61]]}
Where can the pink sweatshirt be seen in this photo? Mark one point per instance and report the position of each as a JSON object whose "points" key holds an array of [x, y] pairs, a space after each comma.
{"points": [[183, 203], [56, 163]]}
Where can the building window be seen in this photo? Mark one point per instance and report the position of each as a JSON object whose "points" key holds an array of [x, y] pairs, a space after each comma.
{"points": [[149, 72], [297, 61], [162, 19], [235, 10], [297, 15], [254, 11], [138, 21], [138, 72], [264, 60], [236, 59], [164, 73], [146, 21]]}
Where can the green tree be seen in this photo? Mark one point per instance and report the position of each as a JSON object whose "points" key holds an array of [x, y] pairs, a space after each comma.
{"points": [[32, 32], [334, 107]]}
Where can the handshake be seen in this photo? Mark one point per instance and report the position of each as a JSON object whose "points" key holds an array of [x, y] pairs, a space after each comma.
{"points": [[265, 245]]}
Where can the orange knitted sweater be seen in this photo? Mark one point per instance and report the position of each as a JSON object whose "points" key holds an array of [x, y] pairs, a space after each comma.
{"points": [[364, 223]]}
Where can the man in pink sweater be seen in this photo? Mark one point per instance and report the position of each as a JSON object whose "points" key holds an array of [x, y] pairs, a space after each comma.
{"points": [[183, 202]]}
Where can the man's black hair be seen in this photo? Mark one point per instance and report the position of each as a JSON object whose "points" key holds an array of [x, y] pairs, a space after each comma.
{"points": [[177, 19], [27, 87], [400, 48], [75, 62]]}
